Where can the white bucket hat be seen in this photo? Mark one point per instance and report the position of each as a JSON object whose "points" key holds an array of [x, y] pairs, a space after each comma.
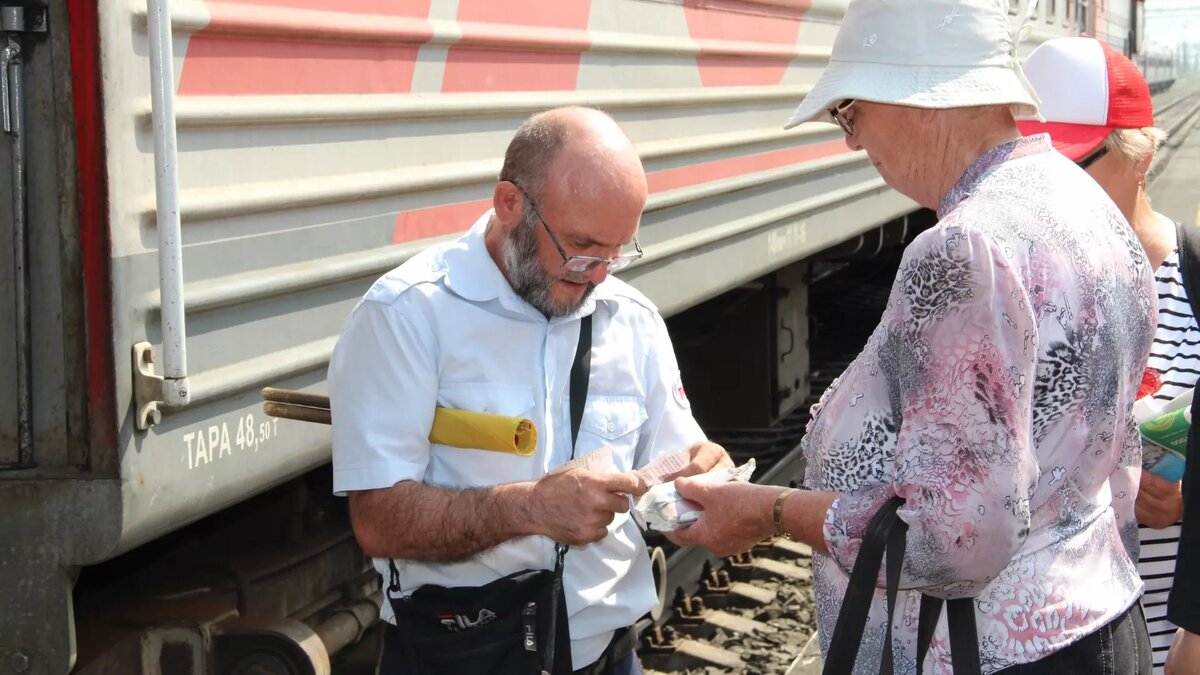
{"points": [[925, 54]]}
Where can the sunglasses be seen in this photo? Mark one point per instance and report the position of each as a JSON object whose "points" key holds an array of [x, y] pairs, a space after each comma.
{"points": [[1092, 158]]}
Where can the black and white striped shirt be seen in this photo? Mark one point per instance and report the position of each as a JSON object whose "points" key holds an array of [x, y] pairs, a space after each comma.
{"points": [[1175, 354]]}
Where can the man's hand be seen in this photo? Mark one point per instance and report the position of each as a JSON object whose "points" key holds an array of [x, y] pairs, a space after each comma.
{"points": [[1159, 501], [1184, 657], [705, 456], [575, 507]]}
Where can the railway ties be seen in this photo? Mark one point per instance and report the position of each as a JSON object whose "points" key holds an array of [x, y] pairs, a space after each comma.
{"points": [[753, 614]]}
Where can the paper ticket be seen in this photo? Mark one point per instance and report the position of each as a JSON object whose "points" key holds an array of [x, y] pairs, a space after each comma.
{"points": [[597, 460], [657, 471]]}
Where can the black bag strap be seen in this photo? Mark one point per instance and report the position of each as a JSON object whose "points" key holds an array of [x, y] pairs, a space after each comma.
{"points": [[931, 611], [896, 538], [581, 370], [888, 532], [964, 641], [580, 373], [852, 619], [1189, 263]]}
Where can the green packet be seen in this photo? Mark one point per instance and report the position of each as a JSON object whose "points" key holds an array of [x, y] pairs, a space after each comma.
{"points": [[1169, 432]]}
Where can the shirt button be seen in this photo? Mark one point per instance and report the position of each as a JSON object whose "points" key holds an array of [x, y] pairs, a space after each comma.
{"points": [[611, 427]]}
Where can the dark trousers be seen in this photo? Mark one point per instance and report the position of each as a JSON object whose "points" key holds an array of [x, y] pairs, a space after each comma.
{"points": [[1121, 647]]}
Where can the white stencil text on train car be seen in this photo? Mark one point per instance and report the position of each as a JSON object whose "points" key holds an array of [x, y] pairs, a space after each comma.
{"points": [[779, 241], [217, 442]]}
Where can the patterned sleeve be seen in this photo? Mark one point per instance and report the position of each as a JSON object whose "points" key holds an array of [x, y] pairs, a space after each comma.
{"points": [[958, 352]]}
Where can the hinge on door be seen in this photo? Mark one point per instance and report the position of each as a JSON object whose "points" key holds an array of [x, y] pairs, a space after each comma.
{"points": [[147, 387]]}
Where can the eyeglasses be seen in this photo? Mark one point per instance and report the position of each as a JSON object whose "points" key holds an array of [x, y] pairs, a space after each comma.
{"points": [[838, 113], [578, 264], [1092, 158]]}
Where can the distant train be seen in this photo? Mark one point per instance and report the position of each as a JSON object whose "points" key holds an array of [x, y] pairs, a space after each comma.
{"points": [[1157, 63]]}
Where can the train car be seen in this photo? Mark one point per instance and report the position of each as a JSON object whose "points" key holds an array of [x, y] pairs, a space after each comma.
{"points": [[1158, 65], [202, 191]]}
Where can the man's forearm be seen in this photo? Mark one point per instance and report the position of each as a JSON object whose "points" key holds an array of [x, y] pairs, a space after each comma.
{"points": [[420, 522]]}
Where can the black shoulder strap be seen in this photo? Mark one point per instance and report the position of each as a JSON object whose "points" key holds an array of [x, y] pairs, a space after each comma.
{"points": [[887, 532], [1189, 263], [852, 619], [580, 372]]}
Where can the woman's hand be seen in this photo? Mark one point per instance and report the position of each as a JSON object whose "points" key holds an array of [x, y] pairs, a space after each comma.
{"points": [[736, 515], [1159, 501]]}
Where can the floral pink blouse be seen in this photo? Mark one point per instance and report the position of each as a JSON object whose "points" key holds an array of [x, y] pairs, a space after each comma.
{"points": [[994, 396]]}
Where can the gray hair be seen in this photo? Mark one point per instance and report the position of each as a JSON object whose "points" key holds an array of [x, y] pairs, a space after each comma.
{"points": [[531, 150]]}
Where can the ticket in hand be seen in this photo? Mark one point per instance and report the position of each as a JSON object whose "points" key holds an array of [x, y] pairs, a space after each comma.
{"points": [[657, 471], [662, 509], [596, 460]]}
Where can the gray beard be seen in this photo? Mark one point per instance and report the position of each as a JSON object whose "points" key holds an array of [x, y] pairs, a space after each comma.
{"points": [[528, 279]]}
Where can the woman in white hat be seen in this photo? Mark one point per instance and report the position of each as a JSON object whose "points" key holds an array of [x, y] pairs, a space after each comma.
{"points": [[995, 395]]}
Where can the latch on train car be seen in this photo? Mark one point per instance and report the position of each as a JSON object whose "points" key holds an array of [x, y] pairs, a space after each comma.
{"points": [[147, 387], [151, 390]]}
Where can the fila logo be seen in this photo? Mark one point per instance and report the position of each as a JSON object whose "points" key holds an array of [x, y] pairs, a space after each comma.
{"points": [[460, 622]]}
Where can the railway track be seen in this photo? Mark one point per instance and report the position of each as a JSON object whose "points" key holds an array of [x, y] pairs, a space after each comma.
{"points": [[1177, 118]]}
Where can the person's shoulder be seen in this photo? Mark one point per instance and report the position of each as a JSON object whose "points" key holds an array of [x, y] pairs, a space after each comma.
{"points": [[627, 298], [423, 274], [956, 236]]}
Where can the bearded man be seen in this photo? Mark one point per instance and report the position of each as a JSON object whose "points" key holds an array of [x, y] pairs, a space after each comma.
{"points": [[491, 323]]}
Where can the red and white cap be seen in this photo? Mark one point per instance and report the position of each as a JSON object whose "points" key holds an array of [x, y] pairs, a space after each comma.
{"points": [[1087, 89]]}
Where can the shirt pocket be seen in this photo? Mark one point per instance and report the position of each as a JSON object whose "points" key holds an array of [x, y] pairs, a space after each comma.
{"points": [[465, 467], [615, 421]]}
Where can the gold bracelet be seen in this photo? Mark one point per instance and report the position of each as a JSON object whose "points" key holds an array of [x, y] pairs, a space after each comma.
{"points": [[779, 531]]}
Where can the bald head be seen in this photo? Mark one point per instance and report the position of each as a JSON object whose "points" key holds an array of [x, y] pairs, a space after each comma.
{"points": [[583, 148]]}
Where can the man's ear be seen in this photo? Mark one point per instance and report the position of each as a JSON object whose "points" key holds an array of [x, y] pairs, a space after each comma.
{"points": [[508, 203]]}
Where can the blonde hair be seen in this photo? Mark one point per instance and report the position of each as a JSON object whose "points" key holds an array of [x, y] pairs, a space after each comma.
{"points": [[1135, 145]]}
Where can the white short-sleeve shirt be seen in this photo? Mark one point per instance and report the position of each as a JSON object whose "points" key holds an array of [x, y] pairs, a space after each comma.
{"points": [[446, 329]]}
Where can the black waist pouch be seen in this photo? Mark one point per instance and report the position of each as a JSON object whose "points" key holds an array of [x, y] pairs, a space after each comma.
{"points": [[513, 625]]}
